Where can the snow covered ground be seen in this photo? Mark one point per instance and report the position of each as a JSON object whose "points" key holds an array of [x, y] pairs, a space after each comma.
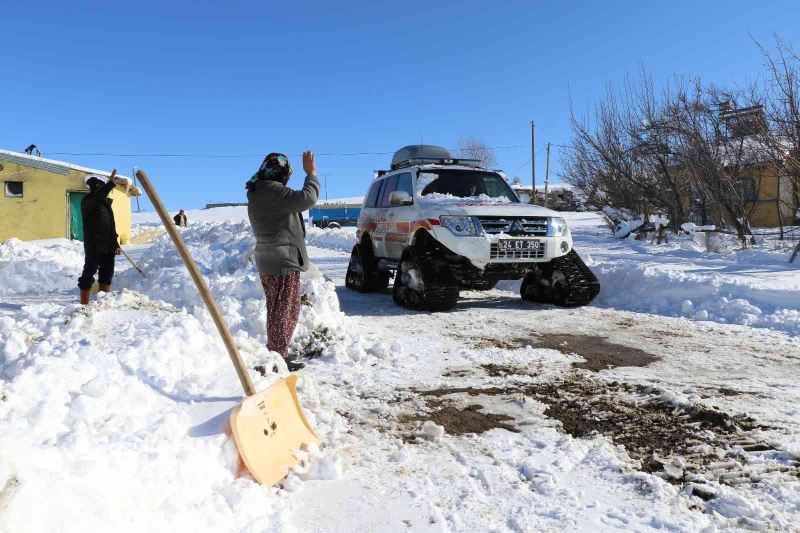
{"points": [[631, 414]]}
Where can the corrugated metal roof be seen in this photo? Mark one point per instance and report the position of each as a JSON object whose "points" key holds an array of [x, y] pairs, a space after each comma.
{"points": [[34, 162], [40, 162], [59, 167]]}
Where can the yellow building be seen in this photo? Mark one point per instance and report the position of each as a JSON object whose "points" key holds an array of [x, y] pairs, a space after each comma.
{"points": [[770, 196], [42, 198]]}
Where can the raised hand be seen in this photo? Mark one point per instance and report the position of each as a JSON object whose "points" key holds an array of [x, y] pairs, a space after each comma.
{"points": [[309, 165]]}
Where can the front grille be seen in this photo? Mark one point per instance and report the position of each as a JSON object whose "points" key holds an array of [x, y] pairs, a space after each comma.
{"points": [[514, 225], [496, 253]]}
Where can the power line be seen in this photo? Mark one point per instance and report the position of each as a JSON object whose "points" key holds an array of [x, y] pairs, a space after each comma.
{"points": [[232, 156], [529, 159]]}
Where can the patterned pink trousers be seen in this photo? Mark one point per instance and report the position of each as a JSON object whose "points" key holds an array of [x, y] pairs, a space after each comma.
{"points": [[283, 309]]}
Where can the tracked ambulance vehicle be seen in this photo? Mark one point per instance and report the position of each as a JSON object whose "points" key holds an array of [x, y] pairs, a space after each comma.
{"points": [[440, 224]]}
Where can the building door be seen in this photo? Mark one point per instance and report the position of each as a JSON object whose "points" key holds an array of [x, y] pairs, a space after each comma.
{"points": [[75, 215]]}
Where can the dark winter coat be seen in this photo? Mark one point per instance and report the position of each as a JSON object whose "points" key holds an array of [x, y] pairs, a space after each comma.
{"points": [[276, 215], [177, 218], [99, 229]]}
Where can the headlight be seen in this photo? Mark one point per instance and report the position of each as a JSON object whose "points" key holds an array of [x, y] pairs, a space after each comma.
{"points": [[557, 227], [461, 226]]}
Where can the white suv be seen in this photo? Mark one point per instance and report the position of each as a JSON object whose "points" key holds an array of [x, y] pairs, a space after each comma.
{"points": [[444, 224]]}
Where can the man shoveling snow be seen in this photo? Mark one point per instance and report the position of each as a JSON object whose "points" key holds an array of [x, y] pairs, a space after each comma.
{"points": [[100, 239]]}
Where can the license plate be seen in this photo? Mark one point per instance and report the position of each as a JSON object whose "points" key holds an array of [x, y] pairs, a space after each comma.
{"points": [[508, 245]]}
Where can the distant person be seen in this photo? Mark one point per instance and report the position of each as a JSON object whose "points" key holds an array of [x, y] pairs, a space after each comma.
{"points": [[100, 244], [276, 215], [180, 219]]}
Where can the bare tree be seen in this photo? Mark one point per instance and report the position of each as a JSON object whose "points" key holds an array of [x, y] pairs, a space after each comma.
{"points": [[624, 157], [719, 155], [694, 151], [782, 114], [474, 147]]}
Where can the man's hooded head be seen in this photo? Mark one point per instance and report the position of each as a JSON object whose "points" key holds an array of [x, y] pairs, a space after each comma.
{"points": [[95, 180]]}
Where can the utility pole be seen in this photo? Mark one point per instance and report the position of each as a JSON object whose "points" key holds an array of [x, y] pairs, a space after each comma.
{"points": [[547, 174], [325, 178], [133, 173], [533, 162]]}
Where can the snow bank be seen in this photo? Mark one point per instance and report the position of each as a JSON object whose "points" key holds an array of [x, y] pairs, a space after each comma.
{"points": [[341, 239], [112, 417], [224, 253], [39, 266], [234, 213], [647, 288], [113, 414]]}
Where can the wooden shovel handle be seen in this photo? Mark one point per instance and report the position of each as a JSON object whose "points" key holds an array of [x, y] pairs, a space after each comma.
{"points": [[200, 282]]}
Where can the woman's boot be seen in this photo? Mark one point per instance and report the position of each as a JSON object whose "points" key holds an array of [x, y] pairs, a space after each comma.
{"points": [[84, 297], [105, 288]]}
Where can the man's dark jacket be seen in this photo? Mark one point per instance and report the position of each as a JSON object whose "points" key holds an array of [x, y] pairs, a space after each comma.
{"points": [[99, 230]]}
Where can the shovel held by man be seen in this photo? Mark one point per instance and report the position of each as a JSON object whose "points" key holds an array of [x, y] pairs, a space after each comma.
{"points": [[268, 426]]}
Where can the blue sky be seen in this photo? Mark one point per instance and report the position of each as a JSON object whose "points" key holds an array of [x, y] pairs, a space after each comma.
{"points": [[248, 78]]}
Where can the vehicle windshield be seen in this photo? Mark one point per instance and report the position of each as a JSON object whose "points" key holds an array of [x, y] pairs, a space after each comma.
{"points": [[464, 184]]}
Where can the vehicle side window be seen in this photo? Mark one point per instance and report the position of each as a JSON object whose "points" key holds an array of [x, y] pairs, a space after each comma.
{"points": [[391, 186], [372, 197], [404, 184]]}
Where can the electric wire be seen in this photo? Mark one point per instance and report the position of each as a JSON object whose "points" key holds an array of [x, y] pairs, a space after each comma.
{"points": [[230, 156]]}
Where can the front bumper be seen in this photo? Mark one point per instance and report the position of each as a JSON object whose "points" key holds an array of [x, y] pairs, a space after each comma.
{"points": [[484, 250]]}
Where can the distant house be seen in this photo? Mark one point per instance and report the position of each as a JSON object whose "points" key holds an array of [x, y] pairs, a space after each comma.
{"points": [[560, 196], [768, 192], [42, 198]]}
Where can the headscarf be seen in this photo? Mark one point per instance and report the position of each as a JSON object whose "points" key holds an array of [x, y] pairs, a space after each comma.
{"points": [[275, 167]]}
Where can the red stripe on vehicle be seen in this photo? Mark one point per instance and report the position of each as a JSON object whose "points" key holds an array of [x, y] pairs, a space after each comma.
{"points": [[421, 224]]}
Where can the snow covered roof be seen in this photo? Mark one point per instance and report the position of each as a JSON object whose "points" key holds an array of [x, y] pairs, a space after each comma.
{"points": [[58, 167], [353, 200]]}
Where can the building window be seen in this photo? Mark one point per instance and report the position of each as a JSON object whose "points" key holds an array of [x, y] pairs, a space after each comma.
{"points": [[748, 189], [13, 189]]}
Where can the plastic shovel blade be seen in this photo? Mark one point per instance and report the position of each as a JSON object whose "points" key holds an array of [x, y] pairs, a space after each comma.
{"points": [[268, 428]]}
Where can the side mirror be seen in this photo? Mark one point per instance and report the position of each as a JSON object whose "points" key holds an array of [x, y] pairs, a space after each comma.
{"points": [[399, 198]]}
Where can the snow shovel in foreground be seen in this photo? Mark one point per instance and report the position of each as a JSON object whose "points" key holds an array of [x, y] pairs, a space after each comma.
{"points": [[268, 426]]}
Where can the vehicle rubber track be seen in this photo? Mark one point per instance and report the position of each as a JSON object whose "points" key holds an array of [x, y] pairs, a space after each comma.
{"points": [[439, 291], [565, 281], [581, 286]]}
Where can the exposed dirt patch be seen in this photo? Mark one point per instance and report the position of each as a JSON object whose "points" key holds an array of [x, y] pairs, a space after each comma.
{"points": [[471, 391], [677, 442], [598, 351], [457, 373], [681, 443], [312, 345], [495, 370], [462, 420]]}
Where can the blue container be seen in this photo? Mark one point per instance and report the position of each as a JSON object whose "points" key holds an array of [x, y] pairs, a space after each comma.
{"points": [[342, 215]]}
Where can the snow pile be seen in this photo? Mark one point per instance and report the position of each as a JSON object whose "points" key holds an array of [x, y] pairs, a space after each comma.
{"points": [[39, 266], [233, 213], [113, 414], [753, 288], [223, 252], [341, 239]]}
